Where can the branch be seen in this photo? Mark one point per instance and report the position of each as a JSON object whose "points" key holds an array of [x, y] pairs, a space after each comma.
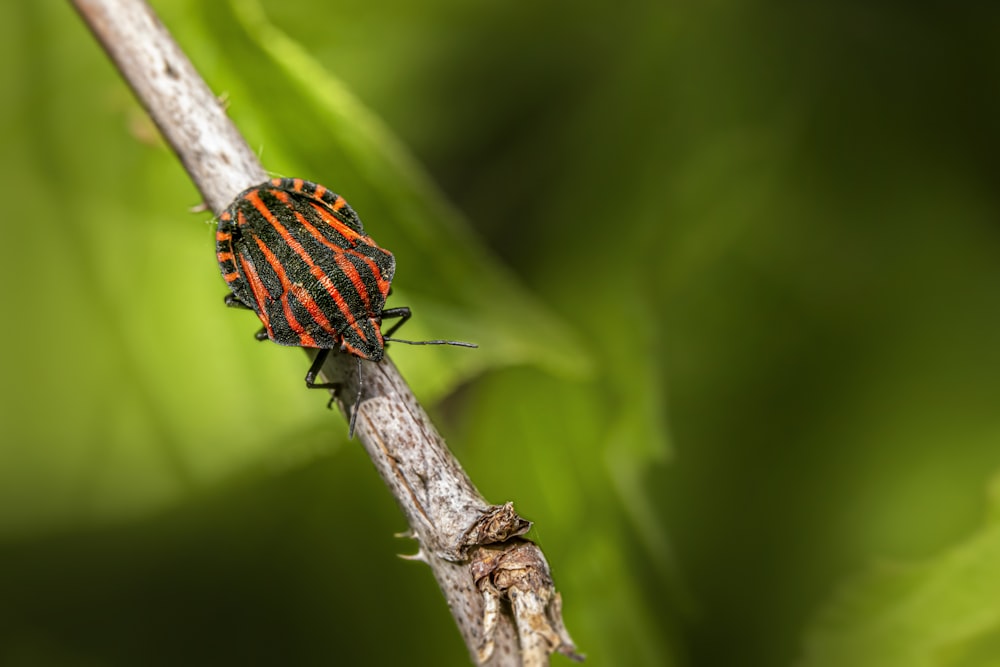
{"points": [[496, 583]]}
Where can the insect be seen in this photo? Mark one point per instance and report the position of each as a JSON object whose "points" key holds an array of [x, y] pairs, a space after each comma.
{"points": [[296, 254]]}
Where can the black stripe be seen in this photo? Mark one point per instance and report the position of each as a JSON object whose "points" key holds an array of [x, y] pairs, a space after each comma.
{"points": [[240, 288], [298, 271], [345, 214]]}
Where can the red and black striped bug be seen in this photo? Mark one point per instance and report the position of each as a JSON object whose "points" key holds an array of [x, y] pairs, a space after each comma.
{"points": [[297, 255]]}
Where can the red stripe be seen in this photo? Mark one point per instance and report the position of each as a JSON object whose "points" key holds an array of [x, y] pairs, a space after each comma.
{"points": [[352, 274], [257, 287], [343, 263], [383, 285], [335, 222], [316, 271], [288, 287]]}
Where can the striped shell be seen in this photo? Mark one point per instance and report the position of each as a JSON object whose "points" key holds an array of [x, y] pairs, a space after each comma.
{"points": [[297, 255]]}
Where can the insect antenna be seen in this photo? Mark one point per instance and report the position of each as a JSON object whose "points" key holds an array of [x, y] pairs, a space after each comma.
{"points": [[456, 343], [357, 402]]}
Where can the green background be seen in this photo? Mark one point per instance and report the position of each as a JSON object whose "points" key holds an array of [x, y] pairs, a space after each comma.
{"points": [[734, 268]]}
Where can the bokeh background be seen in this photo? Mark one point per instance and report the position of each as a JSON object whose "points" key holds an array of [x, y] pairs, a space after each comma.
{"points": [[734, 268]]}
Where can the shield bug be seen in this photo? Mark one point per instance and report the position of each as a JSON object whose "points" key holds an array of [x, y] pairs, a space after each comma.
{"points": [[296, 254]]}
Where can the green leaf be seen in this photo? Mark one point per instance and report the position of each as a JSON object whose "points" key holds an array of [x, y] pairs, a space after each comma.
{"points": [[941, 612]]}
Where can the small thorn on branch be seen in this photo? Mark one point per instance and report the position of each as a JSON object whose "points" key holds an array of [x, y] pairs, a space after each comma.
{"points": [[419, 556]]}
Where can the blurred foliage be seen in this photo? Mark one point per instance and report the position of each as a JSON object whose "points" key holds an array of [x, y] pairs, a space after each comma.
{"points": [[935, 612], [735, 271]]}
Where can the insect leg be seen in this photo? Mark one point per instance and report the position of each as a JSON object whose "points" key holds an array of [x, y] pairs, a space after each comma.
{"points": [[233, 301], [314, 370], [403, 313], [357, 402]]}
